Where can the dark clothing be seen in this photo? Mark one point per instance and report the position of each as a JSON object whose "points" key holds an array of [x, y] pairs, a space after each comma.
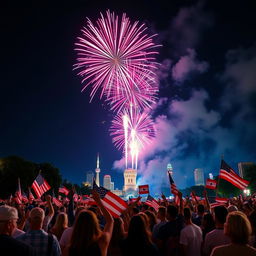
{"points": [[197, 220], [92, 250], [138, 248], [171, 228], [169, 234], [12, 247]]}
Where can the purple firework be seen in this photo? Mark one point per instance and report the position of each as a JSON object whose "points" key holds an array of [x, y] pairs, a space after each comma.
{"points": [[113, 56]]}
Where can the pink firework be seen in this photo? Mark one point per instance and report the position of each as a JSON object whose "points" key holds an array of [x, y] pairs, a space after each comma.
{"points": [[113, 55], [142, 96], [131, 131]]}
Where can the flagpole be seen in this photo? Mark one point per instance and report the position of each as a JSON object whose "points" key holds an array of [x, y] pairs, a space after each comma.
{"points": [[222, 158]]}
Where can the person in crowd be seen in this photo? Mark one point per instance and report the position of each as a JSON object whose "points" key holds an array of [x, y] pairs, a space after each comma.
{"points": [[217, 236], [138, 241], [61, 224], [161, 219], [238, 228], [43, 243], [208, 224], [200, 214], [152, 219], [87, 238], [8, 245], [67, 233], [232, 208], [169, 233], [49, 216], [118, 236], [190, 236]]}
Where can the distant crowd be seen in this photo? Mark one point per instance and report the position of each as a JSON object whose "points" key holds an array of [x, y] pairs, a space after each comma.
{"points": [[189, 228]]}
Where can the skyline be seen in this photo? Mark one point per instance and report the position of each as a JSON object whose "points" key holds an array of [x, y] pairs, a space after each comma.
{"points": [[207, 90]]}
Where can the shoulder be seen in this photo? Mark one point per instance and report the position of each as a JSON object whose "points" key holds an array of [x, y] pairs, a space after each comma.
{"points": [[221, 250]]}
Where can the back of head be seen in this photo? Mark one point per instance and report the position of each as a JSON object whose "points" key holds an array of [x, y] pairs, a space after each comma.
{"points": [[138, 230], [86, 230], [238, 227], [172, 211], [232, 208], [220, 213], [187, 214], [118, 231], [36, 216], [161, 212], [7, 213], [200, 209], [61, 221]]}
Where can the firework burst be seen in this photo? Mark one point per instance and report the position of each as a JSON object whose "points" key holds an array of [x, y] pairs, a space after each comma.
{"points": [[113, 56], [131, 131]]}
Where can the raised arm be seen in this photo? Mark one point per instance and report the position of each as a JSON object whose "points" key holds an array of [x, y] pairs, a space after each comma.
{"points": [[181, 207], [207, 201], [108, 228]]}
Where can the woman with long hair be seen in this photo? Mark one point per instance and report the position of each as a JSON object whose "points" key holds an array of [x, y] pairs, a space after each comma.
{"points": [[118, 236], [60, 225], [87, 237], [139, 240], [238, 228]]}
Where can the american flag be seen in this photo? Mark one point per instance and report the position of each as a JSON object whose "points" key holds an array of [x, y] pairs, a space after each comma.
{"points": [[57, 202], [31, 197], [143, 189], [40, 185], [75, 197], [24, 198], [221, 200], [113, 203], [212, 205], [63, 190], [152, 202], [174, 189], [228, 174], [18, 194], [211, 184]]}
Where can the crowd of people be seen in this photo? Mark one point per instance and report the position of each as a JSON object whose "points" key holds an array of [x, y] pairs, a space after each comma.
{"points": [[189, 228]]}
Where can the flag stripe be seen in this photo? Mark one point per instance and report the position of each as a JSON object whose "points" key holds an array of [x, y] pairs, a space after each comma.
{"points": [[116, 201], [230, 178]]}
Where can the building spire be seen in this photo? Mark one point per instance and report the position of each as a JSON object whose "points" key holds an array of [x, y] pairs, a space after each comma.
{"points": [[98, 161], [97, 170]]}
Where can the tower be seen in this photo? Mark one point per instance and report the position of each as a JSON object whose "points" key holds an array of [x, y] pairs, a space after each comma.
{"points": [[169, 169], [89, 178], [130, 176], [97, 170], [199, 176], [107, 182]]}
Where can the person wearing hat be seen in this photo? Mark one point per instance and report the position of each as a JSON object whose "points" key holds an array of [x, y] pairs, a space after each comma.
{"points": [[43, 243], [8, 245]]}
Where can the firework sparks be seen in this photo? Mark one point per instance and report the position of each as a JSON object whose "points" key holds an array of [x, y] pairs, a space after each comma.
{"points": [[114, 55], [131, 131]]}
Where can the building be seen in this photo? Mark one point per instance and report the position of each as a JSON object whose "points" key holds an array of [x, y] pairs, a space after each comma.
{"points": [[89, 178], [199, 177], [130, 182], [97, 170], [107, 182], [112, 186], [243, 167], [170, 169]]}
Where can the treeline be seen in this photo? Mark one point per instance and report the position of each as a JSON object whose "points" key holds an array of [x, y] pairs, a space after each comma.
{"points": [[14, 167]]}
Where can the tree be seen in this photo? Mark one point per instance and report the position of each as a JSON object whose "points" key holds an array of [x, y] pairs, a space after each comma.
{"points": [[14, 167]]}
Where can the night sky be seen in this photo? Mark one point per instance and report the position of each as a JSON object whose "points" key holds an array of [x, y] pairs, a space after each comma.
{"points": [[207, 88]]}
